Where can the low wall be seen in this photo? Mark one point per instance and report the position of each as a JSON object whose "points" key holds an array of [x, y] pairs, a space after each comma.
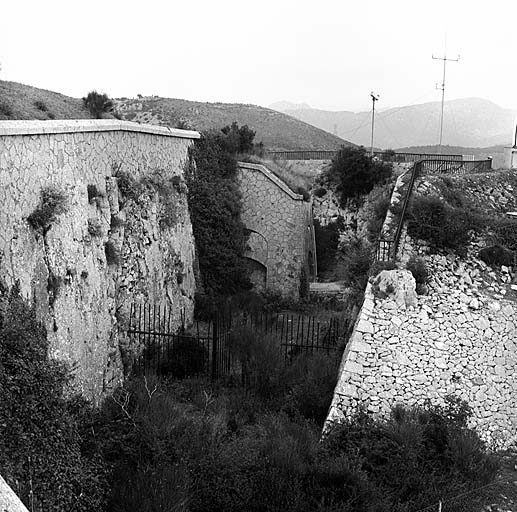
{"points": [[104, 252], [281, 241]]}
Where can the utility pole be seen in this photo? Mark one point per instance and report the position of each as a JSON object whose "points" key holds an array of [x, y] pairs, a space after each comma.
{"points": [[374, 97], [442, 88]]}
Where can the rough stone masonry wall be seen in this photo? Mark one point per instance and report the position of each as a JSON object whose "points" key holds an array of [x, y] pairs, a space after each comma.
{"points": [[82, 298], [460, 339], [281, 240]]}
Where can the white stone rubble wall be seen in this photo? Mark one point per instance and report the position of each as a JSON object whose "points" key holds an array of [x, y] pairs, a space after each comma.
{"points": [[87, 317], [460, 339]]}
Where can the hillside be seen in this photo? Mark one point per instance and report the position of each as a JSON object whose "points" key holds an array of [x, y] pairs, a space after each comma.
{"points": [[19, 101], [275, 129], [470, 122]]}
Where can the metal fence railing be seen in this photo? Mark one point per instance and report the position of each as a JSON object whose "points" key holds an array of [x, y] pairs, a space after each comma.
{"points": [[387, 248], [206, 348], [387, 156]]}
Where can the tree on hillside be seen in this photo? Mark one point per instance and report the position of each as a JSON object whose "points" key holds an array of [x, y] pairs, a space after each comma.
{"points": [[353, 172], [238, 139], [98, 104]]}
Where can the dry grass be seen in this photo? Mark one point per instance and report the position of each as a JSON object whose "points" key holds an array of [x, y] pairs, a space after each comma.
{"points": [[26, 102], [296, 177]]}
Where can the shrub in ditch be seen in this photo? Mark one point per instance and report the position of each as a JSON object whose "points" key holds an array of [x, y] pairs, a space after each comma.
{"points": [[327, 241], [41, 453], [185, 357], [418, 456], [353, 173]]}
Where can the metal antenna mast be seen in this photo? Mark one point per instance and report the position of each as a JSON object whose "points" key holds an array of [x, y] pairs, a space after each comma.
{"points": [[442, 88], [375, 97]]}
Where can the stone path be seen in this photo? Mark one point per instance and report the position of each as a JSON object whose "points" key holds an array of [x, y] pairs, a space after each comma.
{"points": [[327, 288]]}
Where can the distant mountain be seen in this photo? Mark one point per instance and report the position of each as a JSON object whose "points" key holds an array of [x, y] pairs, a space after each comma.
{"points": [[275, 129], [469, 122], [283, 106]]}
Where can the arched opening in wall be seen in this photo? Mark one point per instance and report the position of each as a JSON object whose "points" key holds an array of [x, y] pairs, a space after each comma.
{"points": [[257, 272]]}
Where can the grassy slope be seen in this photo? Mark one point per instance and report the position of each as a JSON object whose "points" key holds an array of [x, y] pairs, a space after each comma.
{"points": [[274, 129], [17, 101]]}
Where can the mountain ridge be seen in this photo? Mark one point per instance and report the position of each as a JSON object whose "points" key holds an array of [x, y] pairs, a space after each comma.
{"points": [[469, 122]]}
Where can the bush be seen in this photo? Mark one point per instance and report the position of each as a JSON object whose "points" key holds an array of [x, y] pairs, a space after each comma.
{"points": [[41, 105], [320, 192], [327, 241], [40, 445], [93, 193], [98, 104], [191, 446], [356, 254], [441, 225], [53, 203], [353, 173], [418, 456], [94, 228], [260, 358], [381, 203], [215, 209], [309, 381], [504, 232], [187, 357], [418, 268], [6, 110], [237, 139], [116, 223], [112, 253], [497, 255]]}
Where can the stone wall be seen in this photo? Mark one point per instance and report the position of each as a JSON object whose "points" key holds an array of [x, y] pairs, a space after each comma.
{"points": [[102, 254], [459, 339], [281, 240], [9, 502]]}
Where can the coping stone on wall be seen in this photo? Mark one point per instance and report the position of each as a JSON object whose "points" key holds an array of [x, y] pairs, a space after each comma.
{"points": [[89, 125], [275, 179]]}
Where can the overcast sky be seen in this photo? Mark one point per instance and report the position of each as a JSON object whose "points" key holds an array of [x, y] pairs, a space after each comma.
{"points": [[329, 54]]}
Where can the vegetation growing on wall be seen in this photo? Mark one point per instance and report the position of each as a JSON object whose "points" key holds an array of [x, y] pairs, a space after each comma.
{"points": [[168, 188], [40, 445], [53, 203], [215, 209], [353, 173]]}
